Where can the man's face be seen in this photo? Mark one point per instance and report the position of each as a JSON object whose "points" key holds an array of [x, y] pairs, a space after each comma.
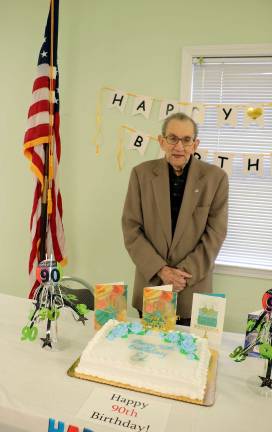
{"points": [[178, 153]]}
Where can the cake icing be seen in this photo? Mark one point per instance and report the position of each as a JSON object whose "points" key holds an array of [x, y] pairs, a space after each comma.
{"points": [[172, 362]]}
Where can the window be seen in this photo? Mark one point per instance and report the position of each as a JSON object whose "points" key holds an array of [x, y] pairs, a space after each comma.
{"points": [[238, 80]]}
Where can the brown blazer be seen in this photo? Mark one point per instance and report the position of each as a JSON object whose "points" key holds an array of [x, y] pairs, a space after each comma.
{"points": [[200, 231]]}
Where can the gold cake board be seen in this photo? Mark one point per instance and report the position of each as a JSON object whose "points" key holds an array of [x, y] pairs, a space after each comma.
{"points": [[208, 400]]}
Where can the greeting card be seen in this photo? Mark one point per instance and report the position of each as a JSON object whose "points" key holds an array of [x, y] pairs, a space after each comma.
{"points": [[110, 302], [159, 307], [208, 312]]}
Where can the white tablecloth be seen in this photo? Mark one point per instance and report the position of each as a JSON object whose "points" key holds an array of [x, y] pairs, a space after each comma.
{"points": [[34, 385]]}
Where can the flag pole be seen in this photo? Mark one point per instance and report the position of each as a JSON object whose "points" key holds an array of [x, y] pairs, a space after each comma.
{"points": [[46, 202]]}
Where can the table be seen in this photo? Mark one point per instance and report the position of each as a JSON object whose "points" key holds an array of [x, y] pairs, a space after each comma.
{"points": [[34, 385]]}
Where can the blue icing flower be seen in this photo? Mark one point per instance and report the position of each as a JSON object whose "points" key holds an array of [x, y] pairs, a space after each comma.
{"points": [[135, 327], [188, 346], [111, 336], [173, 337], [187, 337], [117, 332]]}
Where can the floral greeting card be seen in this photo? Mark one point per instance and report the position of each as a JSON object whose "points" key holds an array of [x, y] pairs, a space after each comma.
{"points": [[159, 307], [110, 302]]}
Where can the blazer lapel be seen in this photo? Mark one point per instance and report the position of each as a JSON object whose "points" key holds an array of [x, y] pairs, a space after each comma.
{"points": [[161, 190], [189, 201]]}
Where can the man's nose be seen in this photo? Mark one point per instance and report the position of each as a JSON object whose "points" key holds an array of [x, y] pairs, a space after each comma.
{"points": [[179, 146]]}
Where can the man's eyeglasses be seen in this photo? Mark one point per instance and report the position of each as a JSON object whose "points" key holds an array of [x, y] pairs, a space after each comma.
{"points": [[186, 141]]}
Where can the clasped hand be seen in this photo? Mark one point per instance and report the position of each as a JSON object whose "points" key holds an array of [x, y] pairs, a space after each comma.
{"points": [[173, 276]]}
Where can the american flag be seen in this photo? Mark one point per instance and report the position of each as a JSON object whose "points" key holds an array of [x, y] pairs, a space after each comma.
{"points": [[43, 131]]}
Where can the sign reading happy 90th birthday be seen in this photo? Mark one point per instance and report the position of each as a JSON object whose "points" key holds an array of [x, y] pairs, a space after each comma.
{"points": [[125, 411]]}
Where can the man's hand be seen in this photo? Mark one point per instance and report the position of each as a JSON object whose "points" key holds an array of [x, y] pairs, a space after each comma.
{"points": [[175, 277]]}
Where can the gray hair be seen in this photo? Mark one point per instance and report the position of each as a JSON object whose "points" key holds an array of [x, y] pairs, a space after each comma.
{"points": [[182, 117]]}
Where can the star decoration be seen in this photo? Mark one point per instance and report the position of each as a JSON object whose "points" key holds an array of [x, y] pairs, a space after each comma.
{"points": [[266, 382], [44, 54], [81, 318], [46, 342]]}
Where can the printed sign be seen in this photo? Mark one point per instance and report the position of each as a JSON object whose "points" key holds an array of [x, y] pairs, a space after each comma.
{"points": [[125, 411]]}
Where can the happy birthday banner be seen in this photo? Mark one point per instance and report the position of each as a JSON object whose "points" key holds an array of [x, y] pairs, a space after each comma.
{"points": [[253, 163], [227, 114]]}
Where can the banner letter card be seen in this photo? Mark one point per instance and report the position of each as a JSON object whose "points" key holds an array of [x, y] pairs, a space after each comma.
{"points": [[226, 115], [142, 105], [224, 160], [253, 163], [118, 99], [138, 141]]}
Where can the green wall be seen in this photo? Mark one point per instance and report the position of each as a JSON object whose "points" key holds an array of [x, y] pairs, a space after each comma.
{"points": [[131, 45]]}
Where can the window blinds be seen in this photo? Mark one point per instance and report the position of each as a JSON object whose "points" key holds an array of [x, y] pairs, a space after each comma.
{"points": [[237, 81]]}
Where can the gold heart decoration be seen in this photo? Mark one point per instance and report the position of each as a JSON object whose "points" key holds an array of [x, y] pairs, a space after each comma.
{"points": [[254, 113]]}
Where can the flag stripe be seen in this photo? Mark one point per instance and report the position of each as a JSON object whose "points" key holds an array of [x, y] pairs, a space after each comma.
{"points": [[41, 130], [39, 106], [38, 119], [43, 82]]}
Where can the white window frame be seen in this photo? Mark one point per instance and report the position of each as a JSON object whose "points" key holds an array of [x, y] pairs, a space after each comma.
{"points": [[188, 53]]}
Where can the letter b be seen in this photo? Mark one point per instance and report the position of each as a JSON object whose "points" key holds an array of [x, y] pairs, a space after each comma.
{"points": [[138, 142]]}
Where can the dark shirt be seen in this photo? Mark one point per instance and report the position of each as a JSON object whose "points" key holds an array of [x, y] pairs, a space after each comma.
{"points": [[177, 186]]}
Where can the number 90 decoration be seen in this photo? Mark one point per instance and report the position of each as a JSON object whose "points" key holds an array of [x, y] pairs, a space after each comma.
{"points": [[49, 299], [49, 271]]}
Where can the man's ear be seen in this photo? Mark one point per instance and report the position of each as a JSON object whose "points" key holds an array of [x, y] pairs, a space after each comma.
{"points": [[196, 144], [161, 141]]}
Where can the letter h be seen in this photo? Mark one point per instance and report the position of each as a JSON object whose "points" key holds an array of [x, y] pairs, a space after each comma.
{"points": [[52, 428]]}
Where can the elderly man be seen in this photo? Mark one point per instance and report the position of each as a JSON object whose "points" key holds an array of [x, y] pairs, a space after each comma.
{"points": [[175, 217]]}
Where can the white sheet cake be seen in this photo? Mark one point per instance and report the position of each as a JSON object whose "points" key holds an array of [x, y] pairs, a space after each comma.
{"points": [[174, 362]]}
